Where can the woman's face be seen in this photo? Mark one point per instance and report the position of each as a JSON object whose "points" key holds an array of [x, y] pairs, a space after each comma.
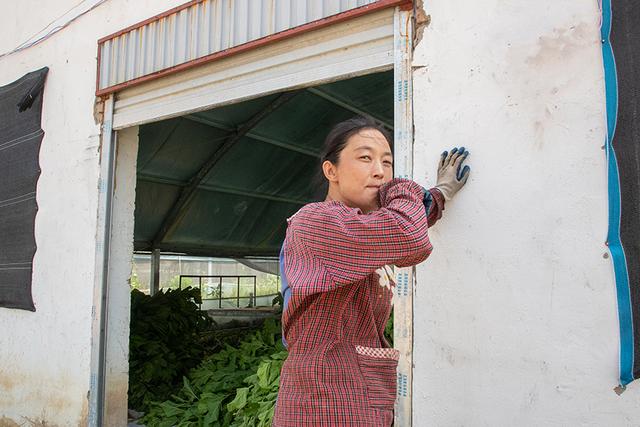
{"points": [[365, 163]]}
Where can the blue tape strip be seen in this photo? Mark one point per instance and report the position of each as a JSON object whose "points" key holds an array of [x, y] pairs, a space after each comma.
{"points": [[625, 311]]}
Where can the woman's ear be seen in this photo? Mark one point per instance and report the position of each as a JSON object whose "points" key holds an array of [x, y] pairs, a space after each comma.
{"points": [[329, 171]]}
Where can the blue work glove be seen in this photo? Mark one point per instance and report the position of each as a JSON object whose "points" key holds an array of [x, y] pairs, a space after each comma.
{"points": [[451, 175]]}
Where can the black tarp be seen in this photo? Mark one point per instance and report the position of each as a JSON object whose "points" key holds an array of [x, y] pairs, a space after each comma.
{"points": [[20, 139], [625, 41]]}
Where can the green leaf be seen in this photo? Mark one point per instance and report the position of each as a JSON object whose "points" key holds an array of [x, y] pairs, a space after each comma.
{"points": [[236, 386], [188, 389], [240, 400], [164, 343], [263, 374]]}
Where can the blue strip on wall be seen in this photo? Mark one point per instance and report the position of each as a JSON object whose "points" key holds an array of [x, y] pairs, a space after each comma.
{"points": [[625, 312]]}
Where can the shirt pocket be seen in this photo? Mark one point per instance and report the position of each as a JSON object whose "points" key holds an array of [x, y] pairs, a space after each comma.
{"points": [[379, 371]]}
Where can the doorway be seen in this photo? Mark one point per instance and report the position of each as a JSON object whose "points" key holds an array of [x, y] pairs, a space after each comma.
{"points": [[177, 174]]}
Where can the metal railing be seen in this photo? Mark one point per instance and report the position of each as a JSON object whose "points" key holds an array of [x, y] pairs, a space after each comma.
{"points": [[253, 297]]}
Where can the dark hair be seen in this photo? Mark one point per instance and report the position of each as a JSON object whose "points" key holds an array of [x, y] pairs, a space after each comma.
{"points": [[335, 142]]}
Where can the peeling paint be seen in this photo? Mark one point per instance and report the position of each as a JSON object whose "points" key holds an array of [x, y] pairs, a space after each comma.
{"points": [[422, 21], [98, 110]]}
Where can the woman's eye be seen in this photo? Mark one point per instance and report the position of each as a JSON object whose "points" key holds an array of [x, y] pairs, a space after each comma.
{"points": [[365, 157], [389, 163]]}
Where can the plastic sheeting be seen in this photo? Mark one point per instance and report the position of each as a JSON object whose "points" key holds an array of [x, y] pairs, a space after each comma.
{"points": [[20, 139], [240, 206], [622, 77]]}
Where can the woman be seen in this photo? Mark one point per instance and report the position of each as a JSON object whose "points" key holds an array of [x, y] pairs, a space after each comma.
{"points": [[337, 279]]}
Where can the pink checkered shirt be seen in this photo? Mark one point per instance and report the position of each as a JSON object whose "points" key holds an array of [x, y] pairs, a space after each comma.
{"points": [[341, 370]]}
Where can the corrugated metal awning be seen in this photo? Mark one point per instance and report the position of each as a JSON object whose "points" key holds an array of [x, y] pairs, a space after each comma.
{"points": [[204, 30]]}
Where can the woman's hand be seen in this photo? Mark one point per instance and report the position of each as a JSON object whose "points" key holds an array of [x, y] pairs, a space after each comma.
{"points": [[450, 176]]}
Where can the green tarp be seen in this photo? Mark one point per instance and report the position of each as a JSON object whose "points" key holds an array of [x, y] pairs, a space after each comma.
{"points": [[240, 205]]}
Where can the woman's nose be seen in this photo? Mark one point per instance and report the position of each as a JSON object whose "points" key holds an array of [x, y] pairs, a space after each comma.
{"points": [[378, 169]]}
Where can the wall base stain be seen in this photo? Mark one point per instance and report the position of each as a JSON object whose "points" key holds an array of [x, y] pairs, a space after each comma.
{"points": [[7, 422], [40, 407], [117, 402], [84, 415], [26, 422]]}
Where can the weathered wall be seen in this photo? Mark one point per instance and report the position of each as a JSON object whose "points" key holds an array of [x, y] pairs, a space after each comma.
{"points": [[45, 356], [516, 317], [516, 320], [120, 259]]}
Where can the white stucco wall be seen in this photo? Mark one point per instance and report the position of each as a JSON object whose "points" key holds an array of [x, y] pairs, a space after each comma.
{"points": [[515, 320], [45, 356]]}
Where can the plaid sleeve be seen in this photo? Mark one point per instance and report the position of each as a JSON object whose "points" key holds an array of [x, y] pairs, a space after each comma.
{"points": [[434, 205], [351, 245]]}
